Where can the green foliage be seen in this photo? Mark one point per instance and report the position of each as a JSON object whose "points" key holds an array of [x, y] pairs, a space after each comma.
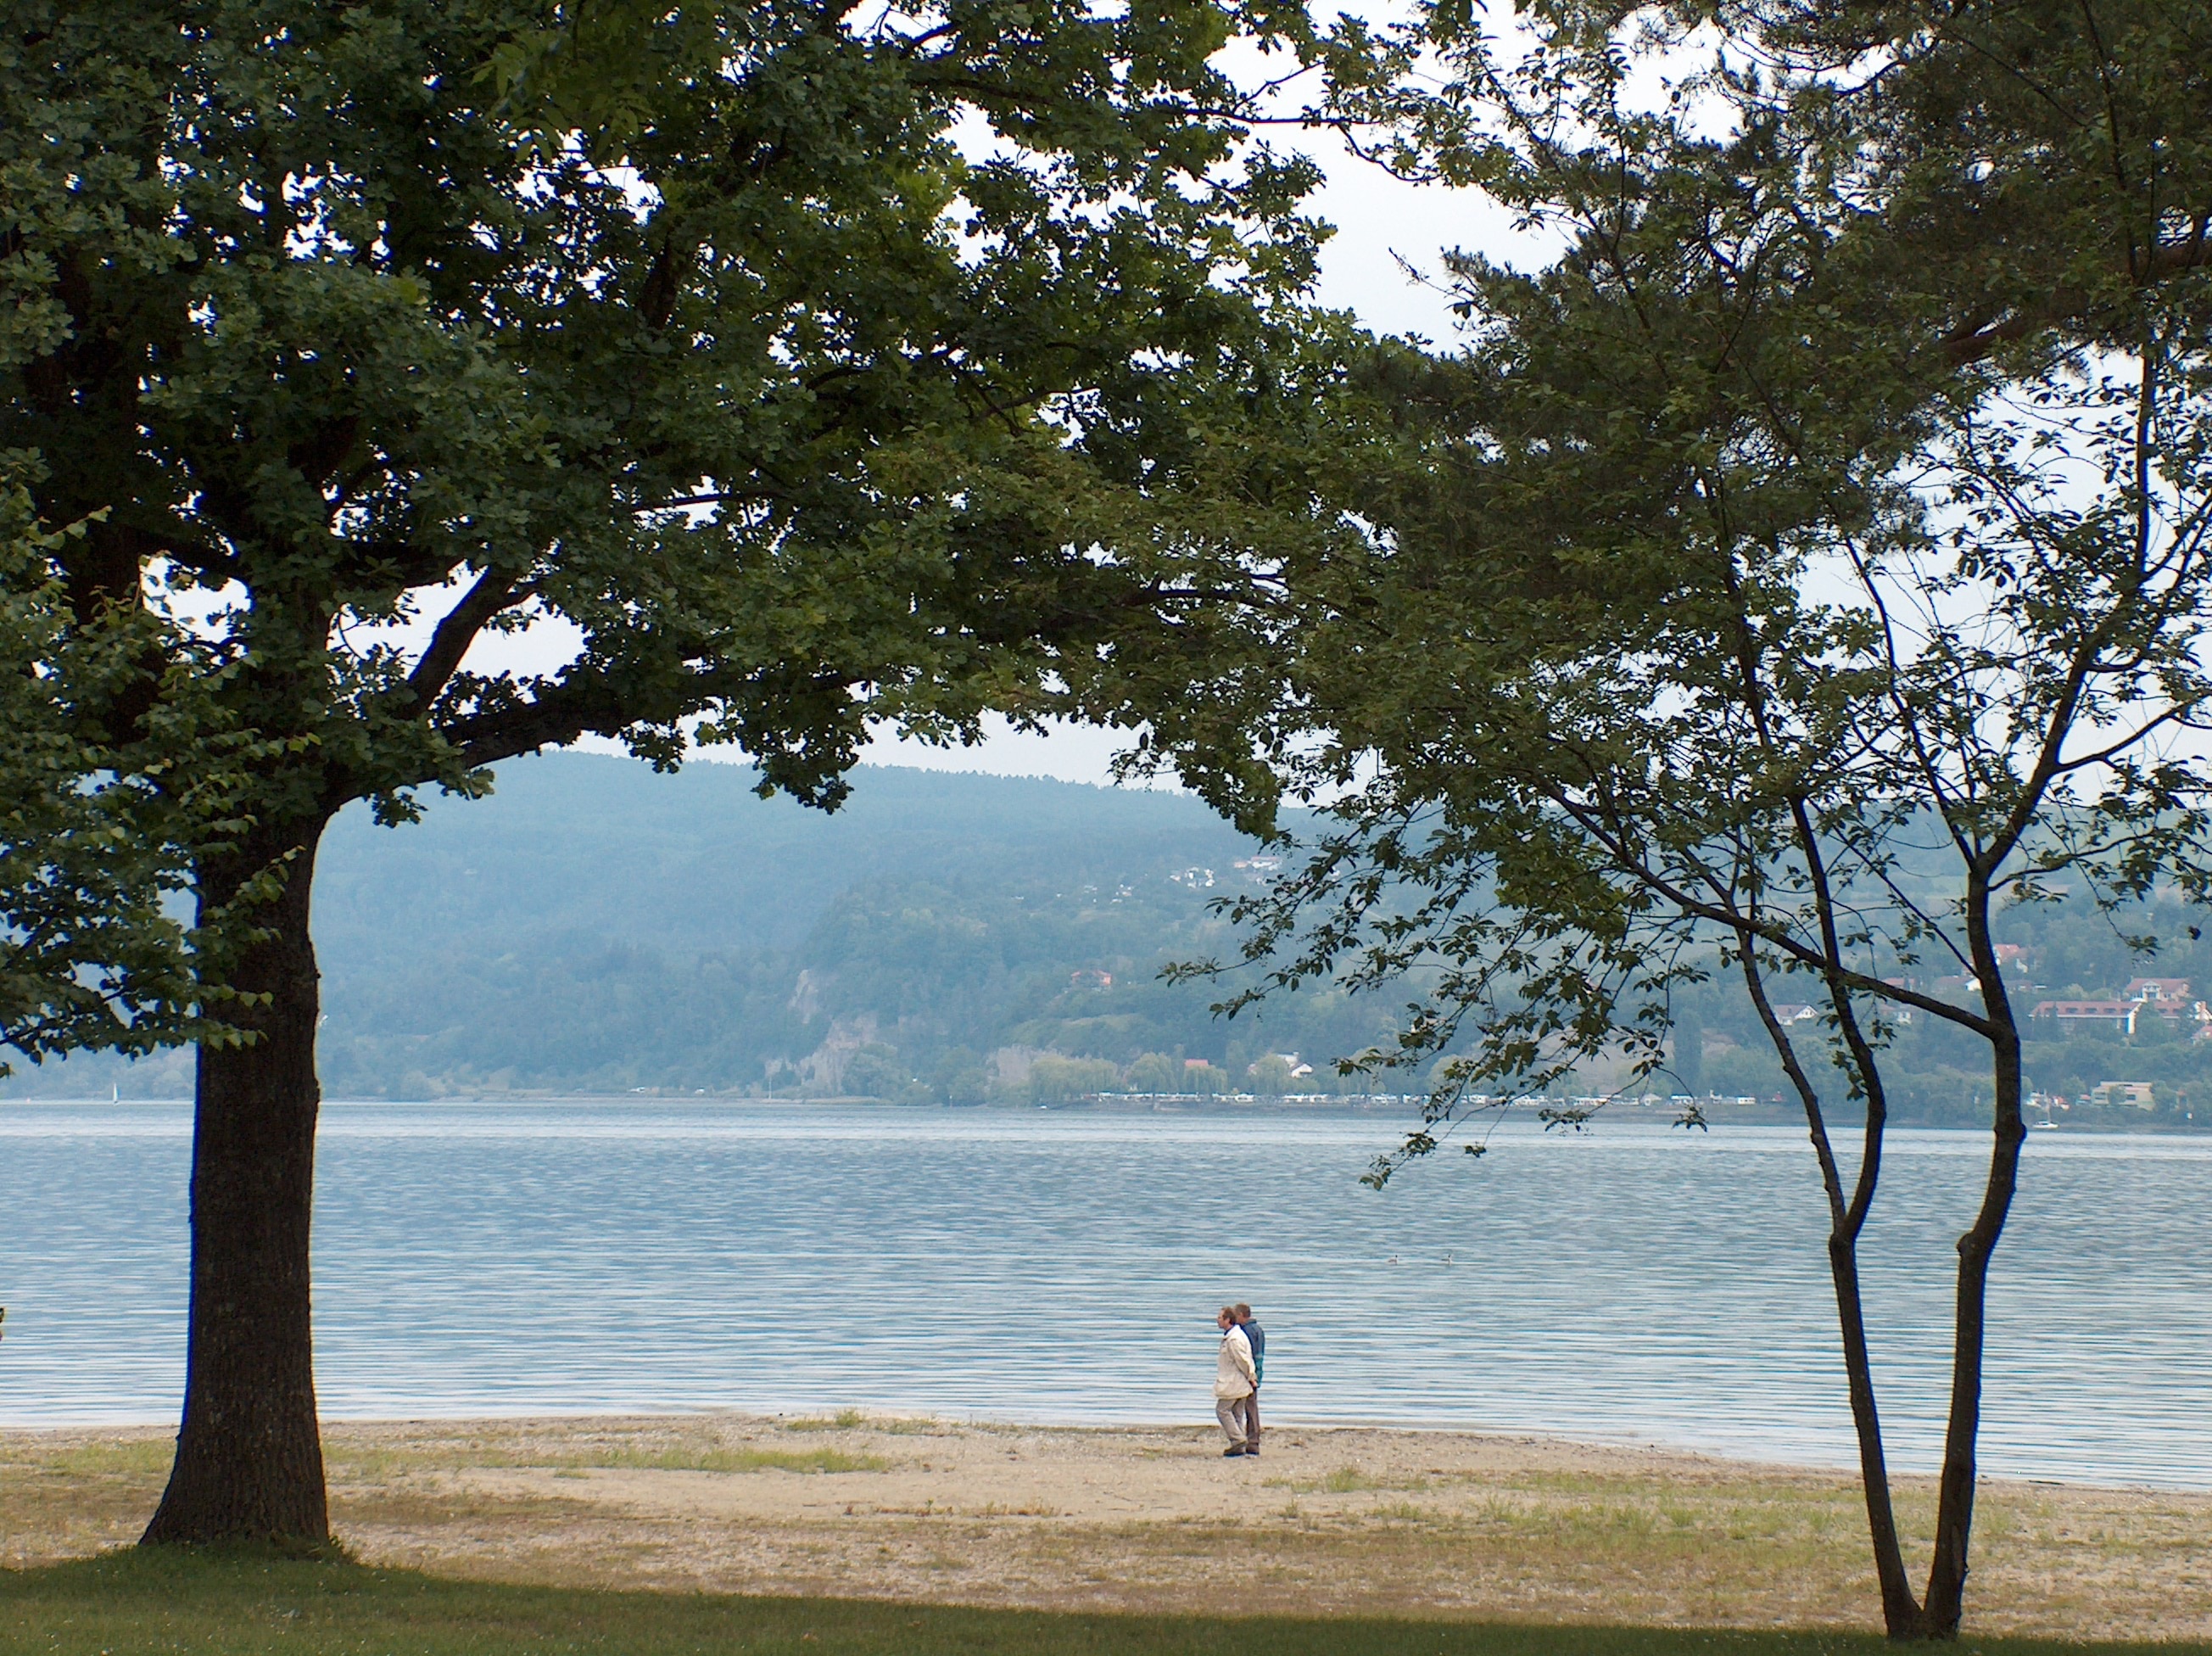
{"points": [[1061, 1081], [1810, 562], [1154, 1072], [106, 793], [2154, 1030], [1936, 1074], [875, 1072], [347, 339], [1758, 550], [591, 926], [1205, 1078], [803, 369], [1271, 1076], [958, 1077]]}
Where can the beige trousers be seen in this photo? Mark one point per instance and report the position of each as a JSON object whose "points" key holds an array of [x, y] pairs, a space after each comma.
{"points": [[1229, 1411]]}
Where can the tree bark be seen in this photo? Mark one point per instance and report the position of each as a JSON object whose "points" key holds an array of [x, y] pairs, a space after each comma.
{"points": [[249, 1462], [1954, 1502], [1901, 1615]]}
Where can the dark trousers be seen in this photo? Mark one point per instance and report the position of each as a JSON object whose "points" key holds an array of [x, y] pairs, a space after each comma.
{"points": [[1248, 1412]]}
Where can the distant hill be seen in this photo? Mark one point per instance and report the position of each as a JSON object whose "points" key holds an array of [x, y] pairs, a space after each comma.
{"points": [[593, 926]]}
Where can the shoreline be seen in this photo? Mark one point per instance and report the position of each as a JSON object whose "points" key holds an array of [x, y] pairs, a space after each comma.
{"points": [[164, 1429], [1339, 1521], [1720, 1111]]}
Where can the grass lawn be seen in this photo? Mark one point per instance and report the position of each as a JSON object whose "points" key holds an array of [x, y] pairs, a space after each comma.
{"points": [[131, 1601]]}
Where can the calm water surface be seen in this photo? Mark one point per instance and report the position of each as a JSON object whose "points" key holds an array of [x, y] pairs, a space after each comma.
{"points": [[1629, 1284]]}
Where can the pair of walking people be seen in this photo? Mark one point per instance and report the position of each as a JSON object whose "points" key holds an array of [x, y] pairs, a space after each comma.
{"points": [[1237, 1376]]}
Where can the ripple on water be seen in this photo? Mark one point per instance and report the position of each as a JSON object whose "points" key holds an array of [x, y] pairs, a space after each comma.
{"points": [[1625, 1285]]}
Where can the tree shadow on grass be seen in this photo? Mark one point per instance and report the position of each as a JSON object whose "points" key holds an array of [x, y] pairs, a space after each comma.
{"points": [[230, 1601]]}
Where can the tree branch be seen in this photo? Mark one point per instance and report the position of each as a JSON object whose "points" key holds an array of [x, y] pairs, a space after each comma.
{"points": [[494, 590]]}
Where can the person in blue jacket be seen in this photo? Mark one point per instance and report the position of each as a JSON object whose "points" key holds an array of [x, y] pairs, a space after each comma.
{"points": [[1258, 1337]]}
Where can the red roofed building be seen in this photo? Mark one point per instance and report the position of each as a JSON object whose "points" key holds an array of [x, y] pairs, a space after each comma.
{"points": [[2071, 1015]]}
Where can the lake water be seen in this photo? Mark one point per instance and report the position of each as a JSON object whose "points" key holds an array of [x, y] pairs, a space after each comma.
{"points": [[1629, 1284]]}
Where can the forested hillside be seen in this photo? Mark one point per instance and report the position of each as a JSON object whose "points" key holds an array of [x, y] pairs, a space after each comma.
{"points": [[592, 927]]}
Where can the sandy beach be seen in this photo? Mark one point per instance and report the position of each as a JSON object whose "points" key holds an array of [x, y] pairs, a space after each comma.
{"points": [[1427, 1524]]}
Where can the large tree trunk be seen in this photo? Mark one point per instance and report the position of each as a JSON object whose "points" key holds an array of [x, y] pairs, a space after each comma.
{"points": [[249, 1461]]}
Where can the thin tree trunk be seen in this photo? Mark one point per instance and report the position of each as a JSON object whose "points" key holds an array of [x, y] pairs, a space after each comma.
{"points": [[249, 1462], [1954, 1507], [1901, 1615]]}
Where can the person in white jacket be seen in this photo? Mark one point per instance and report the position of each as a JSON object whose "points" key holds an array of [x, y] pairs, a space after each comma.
{"points": [[1235, 1379]]}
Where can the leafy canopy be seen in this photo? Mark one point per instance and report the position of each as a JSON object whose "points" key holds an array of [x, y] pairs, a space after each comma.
{"points": [[1790, 534], [1806, 563], [809, 365], [94, 835]]}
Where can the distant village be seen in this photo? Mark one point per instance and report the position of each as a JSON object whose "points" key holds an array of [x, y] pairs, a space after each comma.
{"points": [[2120, 1021], [2127, 1016], [2171, 1001]]}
